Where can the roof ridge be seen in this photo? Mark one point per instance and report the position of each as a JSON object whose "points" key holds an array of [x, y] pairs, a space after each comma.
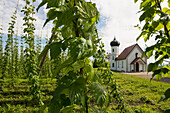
{"points": [[126, 52], [130, 46], [136, 60]]}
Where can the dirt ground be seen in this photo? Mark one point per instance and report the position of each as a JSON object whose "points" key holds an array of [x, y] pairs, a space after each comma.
{"points": [[147, 75]]}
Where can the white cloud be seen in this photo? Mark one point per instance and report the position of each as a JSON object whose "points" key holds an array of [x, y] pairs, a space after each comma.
{"points": [[7, 8], [121, 18], [117, 19]]}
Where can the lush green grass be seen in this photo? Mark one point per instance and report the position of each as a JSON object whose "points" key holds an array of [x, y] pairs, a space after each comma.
{"points": [[141, 95], [17, 98]]}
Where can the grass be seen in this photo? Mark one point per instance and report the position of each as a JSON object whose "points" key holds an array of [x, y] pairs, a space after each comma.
{"points": [[17, 98], [140, 95]]}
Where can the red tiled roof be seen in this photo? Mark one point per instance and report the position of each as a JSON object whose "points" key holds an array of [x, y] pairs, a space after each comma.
{"points": [[125, 52], [136, 59]]}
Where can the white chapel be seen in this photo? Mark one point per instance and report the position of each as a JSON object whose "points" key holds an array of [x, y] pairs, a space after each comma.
{"points": [[129, 60]]}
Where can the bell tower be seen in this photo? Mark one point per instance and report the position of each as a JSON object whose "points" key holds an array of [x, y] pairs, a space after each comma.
{"points": [[114, 53]]}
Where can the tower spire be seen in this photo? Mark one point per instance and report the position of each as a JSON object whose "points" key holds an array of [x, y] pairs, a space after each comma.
{"points": [[114, 42], [114, 37]]}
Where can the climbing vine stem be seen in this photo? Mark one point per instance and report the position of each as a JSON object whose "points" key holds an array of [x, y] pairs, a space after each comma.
{"points": [[30, 53]]}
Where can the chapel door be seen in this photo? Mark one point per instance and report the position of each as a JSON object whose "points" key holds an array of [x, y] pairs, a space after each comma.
{"points": [[137, 67]]}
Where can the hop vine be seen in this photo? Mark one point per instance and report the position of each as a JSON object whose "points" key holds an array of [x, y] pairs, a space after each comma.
{"points": [[30, 53]]}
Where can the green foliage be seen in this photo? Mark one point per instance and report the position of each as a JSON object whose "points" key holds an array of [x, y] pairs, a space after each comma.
{"points": [[9, 109], [100, 56], [142, 110], [132, 88], [1, 50], [8, 58], [114, 93], [157, 24], [16, 56], [8, 64], [159, 28], [38, 46], [22, 59], [11, 42], [142, 94], [1, 58], [75, 39], [166, 95], [99, 93], [30, 53]]}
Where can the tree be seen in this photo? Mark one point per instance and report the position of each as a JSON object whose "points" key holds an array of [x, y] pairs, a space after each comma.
{"points": [[156, 24]]}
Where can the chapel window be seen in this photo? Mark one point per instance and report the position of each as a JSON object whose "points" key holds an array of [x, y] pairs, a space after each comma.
{"points": [[122, 64], [136, 55], [113, 64]]}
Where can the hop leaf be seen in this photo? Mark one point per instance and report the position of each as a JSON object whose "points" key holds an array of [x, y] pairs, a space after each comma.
{"points": [[99, 93]]}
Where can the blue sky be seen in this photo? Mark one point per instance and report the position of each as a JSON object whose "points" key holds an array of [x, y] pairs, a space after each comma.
{"points": [[117, 18]]}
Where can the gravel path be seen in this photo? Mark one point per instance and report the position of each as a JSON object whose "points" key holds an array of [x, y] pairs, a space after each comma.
{"points": [[147, 75], [140, 73]]}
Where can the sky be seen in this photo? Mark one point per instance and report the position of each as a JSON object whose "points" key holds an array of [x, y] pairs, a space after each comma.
{"points": [[7, 8], [117, 19]]}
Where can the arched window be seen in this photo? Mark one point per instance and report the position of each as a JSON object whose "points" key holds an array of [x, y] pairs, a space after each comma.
{"points": [[113, 65], [122, 64], [136, 55], [113, 58], [113, 50]]}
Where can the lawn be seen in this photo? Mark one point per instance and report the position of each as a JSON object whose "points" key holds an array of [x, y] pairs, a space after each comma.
{"points": [[17, 99], [140, 95]]}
